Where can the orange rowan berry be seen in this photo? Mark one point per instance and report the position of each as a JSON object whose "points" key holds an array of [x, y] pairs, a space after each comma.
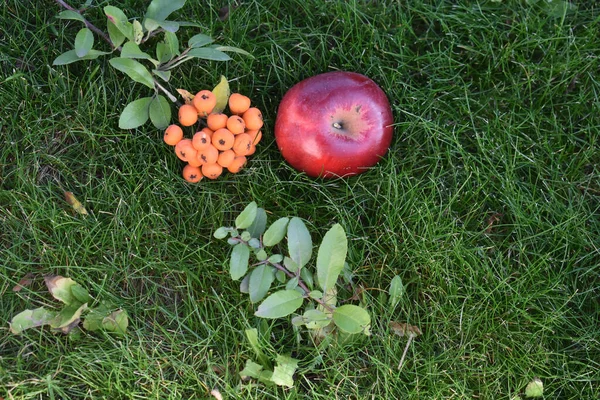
{"points": [[242, 144], [188, 115], [237, 164], [201, 139], [212, 171], [208, 155], [204, 101], [192, 174], [238, 103], [236, 124], [255, 135], [185, 150], [173, 134], [216, 121], [253, 118], [225, 158], [223, 139]]}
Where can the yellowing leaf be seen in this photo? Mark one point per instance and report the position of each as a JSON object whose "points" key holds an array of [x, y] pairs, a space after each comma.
{"points": [[402, 329], [187, 96], [76, 204], [221, 92]]}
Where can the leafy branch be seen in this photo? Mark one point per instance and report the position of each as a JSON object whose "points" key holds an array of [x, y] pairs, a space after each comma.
{"points": [[298, 283], [127, 37]]}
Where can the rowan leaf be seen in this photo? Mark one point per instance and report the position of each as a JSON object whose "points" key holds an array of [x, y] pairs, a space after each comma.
{"points": [[135, 114], [238, 263], [280, 304], [134, 70], [247, 216], [221, 92], [69, 14], [351, 319], [200, 40], [159, 10], [71, 56], [260, 282], [160, 112], [331, 256], [257, 228], [207, 53], [116, 16], [276, 232], [84, 40], [299, 242]]}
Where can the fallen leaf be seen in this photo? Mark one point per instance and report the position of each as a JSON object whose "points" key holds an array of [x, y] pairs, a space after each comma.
{"points": [[221, 92], [187, 96], [76, 204], [404, 329], [60, 288], [24, 282], [492, 220]]}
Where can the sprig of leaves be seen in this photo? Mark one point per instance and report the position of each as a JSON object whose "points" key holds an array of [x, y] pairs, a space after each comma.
{"points": [[76, 300], [282, 282], [126, 38]]}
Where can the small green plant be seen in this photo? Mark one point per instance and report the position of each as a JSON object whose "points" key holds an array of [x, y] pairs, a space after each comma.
{"points": [[76, 300], [295, 284], [127, 38]]}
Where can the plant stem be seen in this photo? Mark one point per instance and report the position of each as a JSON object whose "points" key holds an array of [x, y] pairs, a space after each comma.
{"points": [[165, 91], [88, 24], [410, 338]]}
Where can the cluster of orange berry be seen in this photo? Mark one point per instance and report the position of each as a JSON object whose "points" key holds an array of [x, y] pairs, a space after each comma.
{"points": [[224, 142]]}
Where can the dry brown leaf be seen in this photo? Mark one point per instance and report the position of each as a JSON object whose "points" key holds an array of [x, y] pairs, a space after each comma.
{"points": [[216, 394], [187, 96], [24, 282], [76, 204], [404, 329]]}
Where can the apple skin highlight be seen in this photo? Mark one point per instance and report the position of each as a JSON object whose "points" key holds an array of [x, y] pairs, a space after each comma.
{"points": [[334, 124]]}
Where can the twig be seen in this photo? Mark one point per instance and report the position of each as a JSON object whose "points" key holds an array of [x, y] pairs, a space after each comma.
{"points": [[165, 91]]}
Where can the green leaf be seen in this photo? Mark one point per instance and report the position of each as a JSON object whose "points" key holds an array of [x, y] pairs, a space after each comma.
{"points": [[245, 236], [116, 322], [70, 56], [331, 257], [163, 54], [164, 75], [280, 276], [245, 284], [31, 319], [261, 279], [69, 14], [232, 50], [252, 370], [132, 50], [535, 388], [150, 24], [138, 32], [134, 70], [292, 283], [276, 232], [80, 293], [316, 319], [221, 233], [306, 276], [169, 26], [207, 53], [290, 264], [238, 263], [172, 43], [160, 112], [159, 10], [396, 290], [135, 113], [246, 217], [68, 317], [351, 319], [200, 40], [275, 259], [316, 294], [257, 228], [280, 304], [93, 320], [252, 336], [221, 92], [116, 16], [299, 242], [283, 373], [83, 42], [60, 288], [116, 36]]}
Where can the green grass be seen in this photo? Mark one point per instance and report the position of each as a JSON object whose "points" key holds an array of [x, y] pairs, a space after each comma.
{"points": [[487, 205]]}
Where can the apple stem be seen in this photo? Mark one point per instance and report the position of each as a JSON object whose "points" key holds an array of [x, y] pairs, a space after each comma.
{"points": [[337, 125]]}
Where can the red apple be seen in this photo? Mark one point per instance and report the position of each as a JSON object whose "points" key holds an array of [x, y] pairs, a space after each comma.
{"points": [[334, 124]]}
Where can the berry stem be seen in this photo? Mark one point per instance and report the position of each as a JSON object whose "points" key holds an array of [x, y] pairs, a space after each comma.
{"points": [[165, 91]]}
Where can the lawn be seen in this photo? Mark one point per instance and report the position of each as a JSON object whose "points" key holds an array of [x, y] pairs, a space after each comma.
{"points": [[487, 205]]}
